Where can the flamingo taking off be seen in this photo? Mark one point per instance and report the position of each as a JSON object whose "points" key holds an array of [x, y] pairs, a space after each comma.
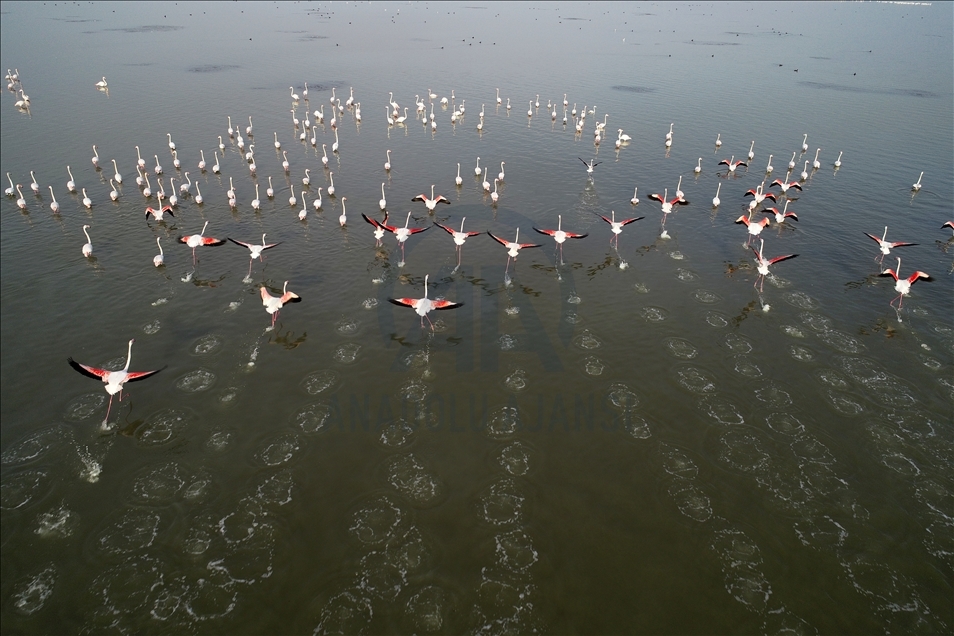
{"points": [[431, 202], [378, 227], [589, 166], [196, 240], [459, 237], [733, 164], [786, 185], [513, 248], [762, 264], [273, 304], [160, 213], [780, 216], [886, 245], [403, 233], [255, 251], [903, 285], [617, 226], [423, 306], [114, 380], [754, 227], [559, 235]]}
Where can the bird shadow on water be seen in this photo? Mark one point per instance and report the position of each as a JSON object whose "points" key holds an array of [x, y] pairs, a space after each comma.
{"points": [[287, 339]]}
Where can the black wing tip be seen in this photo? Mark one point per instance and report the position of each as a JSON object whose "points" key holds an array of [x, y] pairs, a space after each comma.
{"points": [[296, 299], [148, 375], [76, 365], [394, 301]]}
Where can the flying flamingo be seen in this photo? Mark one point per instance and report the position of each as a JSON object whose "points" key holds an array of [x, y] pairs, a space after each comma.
{"points": [[589, 166], [255, 251], [431, 202], [733, 164], [196, 240], [423, 306], [886, 245], [559, 235], [762, 264], [513, 249], [159, 259], [617, 226], [755, 228], [785, 186], [160, 213], [780, 216], [273, 304], [949, 224], [459, 237], [114, 380], [378, 227], [903, 285], [759, 195], [403, 233]]}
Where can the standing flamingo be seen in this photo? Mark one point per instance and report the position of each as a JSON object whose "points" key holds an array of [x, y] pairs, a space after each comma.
{"points": [[88, 247], [114, 380], [197, 240], [273, 304], [903, 285], [159, 259], [423, 306], [54, 205]]}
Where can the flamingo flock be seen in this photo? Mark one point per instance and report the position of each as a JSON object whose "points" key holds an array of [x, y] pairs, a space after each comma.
{"points": [[167, 202]]}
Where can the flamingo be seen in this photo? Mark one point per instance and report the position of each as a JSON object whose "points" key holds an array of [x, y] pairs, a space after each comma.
{"points": [[278, 144], [458, 180], [903, 285], [324, 156], [383, 203], [320, 114], [10, 191], [769, 167], [781, 216], [816, 164], [559, 235], [949, 224], [762, 264], [752, 151], [805, 143], [198, 194], [431, 202], [306, 180], [159, 259], [215, 167], [403, 233], [666, 202], [733, 164], [378, 227], [679, 193], [501, 175], [317, 202], [255, 251], [285, 165], [716, 200], [334, 146], [53, 204], [635, 199], [86, 200], [886, 245], [698, 167], [197, 240], [495, 196], [95, 158], [71, 184], [343, 218], [118, 177], [668, 134], [403, 118], [256, 203], [786, 185], [423, 306], [513, 248], [102, 83], [758, 195], [477, 170], [838, 160], [158, 168], [498, 96], [616, 227], [231, 130], [147, 190], [160, 213], [485, 184], [114, 380], [804, 174], [350, 100], [718, 141], [459, 237], [387, 164], [292, 199], [589, 166], [270, 191], [915, 187], [21, 202], [755, 228], [273, 304], [139, 160], [331, 188], [294, 95], [303, 213], [88, 247], [791, 163], [185, 187]]}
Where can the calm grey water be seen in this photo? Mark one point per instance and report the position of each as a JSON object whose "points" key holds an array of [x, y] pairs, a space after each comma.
{"points": [[635, 440]]}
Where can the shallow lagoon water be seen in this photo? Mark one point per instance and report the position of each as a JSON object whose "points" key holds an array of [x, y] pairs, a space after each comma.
{"points": [[624, 443]]}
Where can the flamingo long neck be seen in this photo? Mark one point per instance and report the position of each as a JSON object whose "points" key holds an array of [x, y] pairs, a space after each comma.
{"points": [[432, 191], [203, 228], [425, 285], [159, 244], [128, 356]]}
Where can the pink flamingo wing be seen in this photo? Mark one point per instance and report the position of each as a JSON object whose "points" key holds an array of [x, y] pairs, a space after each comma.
{"points": [[547, 232], [498, 239], [448, 230], [899, 244], [919, 274], [212, 242], [133, 376], [889, 272], [88, 371], [406, 302], [444, 304], [781, 258]]}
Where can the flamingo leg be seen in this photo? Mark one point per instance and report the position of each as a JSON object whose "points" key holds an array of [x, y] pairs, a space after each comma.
{"points": [[106, 419], [458, 256], [249, 275]]}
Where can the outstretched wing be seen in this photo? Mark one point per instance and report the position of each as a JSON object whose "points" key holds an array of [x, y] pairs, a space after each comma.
{"points": [[656, 197], [444, 304], [212, 242], [899, 244], [404, 302], [371, 221], [772, 261], [585, 163], [547, 232], [415, 230], [134, 376], [290, 297], [447, 229], [575, 235], [245, 245], [873, 238], [628, 221], [498, 239], [442, 199], [420, 197], [889, 272], [88, 371]]}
